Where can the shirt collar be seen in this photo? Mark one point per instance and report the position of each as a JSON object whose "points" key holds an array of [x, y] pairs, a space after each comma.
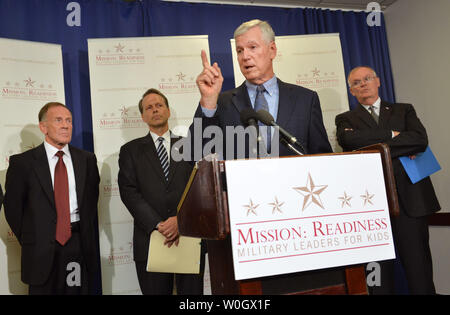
{"points": [[51, 150], [166, 136], [376, 105], [270, 85]]}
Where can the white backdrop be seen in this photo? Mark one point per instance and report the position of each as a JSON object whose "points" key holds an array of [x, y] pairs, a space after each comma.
{"points": [[314, 62], [121, 70], [31, 75]]}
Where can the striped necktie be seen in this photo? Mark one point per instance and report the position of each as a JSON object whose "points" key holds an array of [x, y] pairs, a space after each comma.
{"points": [[261, 103], [162, 155], [373, 113]]}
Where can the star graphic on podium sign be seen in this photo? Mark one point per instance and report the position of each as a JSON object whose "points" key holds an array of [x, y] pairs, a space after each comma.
{"points": [[276, 206], [345, 200], [251, 208], [311, 193], [367, 198]]}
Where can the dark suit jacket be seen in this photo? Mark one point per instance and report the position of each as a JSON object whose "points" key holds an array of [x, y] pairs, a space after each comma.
{"points": [[417, 199], [144, 190], [1, 197], [299, 113], [31, 213]]}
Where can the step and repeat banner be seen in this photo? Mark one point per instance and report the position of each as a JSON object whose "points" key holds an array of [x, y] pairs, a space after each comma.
{"points": [[314, 62], [121, 70], [31, 75]]}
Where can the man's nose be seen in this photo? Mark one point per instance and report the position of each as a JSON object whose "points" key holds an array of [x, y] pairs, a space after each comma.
{"points": [[245, 54]]}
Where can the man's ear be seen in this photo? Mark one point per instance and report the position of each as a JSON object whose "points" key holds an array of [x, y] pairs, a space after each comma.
{"points": [[273, 49], [43, 127]]}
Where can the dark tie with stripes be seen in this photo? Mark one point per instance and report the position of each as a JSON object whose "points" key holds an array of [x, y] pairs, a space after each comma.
{"points": [[373, 113], [163, 157], [261, 103]]}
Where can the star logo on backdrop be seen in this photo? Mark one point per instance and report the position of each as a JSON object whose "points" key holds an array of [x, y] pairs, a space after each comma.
{"points": [[181, 76], [276, 206], [311, 193], [345, 200], [119, 48], [251, 208], [316, 72], [29, 82], [367, 198], [124, 111]]}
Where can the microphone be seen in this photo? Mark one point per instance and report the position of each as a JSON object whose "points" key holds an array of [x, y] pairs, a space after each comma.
{"points": [[266, 118], [249, 117]]}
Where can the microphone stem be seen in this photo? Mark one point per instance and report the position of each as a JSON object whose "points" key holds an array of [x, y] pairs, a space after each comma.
{"points": [[294, 149]]}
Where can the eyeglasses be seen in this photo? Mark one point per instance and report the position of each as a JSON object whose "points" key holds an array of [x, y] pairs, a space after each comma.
{"points": [[358, 83]]}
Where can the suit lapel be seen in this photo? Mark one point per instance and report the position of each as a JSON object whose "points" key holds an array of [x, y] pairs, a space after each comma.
{"points": [[43, 172], [79, 169], [365, 116], [285, 104], [240, 98], [385, 114], [173, 165], [148, 146]]}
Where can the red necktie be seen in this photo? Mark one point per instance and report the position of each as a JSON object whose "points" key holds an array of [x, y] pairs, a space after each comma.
{"points": [[61, 189]]}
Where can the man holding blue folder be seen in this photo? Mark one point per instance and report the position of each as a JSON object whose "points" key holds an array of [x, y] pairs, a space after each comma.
{"points": [[397, 125]]}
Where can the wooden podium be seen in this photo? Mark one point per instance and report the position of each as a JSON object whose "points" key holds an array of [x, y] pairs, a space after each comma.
{"points": [[203, 213]]}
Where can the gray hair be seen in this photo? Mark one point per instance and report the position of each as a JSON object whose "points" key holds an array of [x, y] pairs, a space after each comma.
{"points": [[267, 32], [357, 68]]}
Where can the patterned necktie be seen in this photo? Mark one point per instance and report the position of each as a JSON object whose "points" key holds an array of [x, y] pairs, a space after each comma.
{"points": [[261, 103], [372, 112], [61, 191], [162, 155]]}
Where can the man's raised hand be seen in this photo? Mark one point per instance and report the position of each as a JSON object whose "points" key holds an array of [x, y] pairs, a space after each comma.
{"points": [[209, 82]]}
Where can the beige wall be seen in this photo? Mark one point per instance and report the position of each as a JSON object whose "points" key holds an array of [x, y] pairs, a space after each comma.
{"points": [[419, 42]]}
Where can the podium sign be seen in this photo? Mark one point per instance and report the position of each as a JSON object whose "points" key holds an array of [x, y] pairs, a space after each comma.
{"points": [[306, 213]]}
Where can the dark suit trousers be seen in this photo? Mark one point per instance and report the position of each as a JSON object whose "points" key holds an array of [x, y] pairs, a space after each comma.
{"points": [[62, 281], [411, 239], [155, 283]]}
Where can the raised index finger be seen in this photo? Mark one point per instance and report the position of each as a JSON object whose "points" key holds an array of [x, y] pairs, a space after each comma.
{"points": [[205, 61]]}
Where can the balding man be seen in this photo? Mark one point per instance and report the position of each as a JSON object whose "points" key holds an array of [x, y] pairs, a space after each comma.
{"points": [[397, 125]]}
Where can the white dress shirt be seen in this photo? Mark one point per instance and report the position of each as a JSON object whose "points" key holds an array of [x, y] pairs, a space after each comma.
{"points": [[52, 160], [376, 108]]}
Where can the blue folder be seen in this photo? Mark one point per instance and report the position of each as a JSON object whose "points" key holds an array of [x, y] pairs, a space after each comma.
{"points": [[422, 166]]}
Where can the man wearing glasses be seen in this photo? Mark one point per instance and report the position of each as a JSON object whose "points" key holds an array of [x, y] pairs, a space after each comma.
{"points": [[397, 125]]}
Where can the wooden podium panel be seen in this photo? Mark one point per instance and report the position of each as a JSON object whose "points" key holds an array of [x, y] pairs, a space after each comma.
{"points": [[203, 213]]}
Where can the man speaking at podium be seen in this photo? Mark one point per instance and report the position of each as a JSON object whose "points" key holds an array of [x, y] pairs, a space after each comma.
{"points": [[294, 108], [397, 125]]}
